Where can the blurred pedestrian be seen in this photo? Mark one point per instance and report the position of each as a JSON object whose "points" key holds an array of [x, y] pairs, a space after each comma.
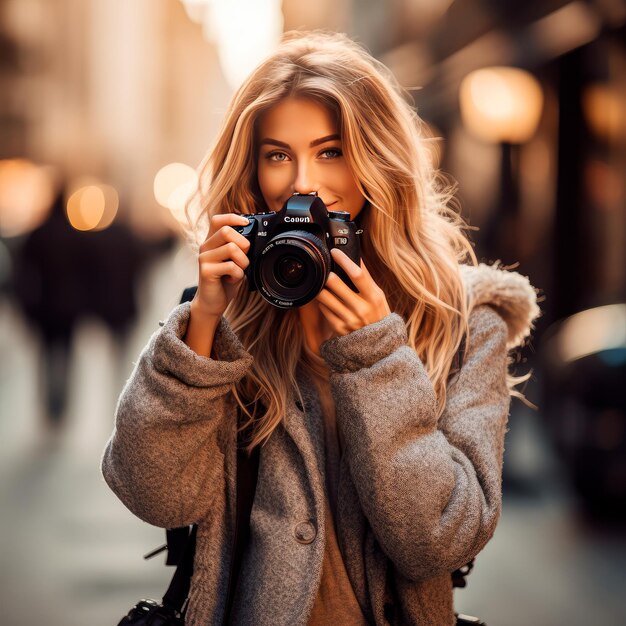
{"points": [[63, 276], [49, 283]]}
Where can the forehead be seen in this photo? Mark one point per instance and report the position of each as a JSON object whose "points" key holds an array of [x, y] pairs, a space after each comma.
{"points": [[298, 117]]}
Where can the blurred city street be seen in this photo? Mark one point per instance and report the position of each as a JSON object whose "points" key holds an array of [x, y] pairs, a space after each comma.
{"points": [[72, 554], [121, 137]]}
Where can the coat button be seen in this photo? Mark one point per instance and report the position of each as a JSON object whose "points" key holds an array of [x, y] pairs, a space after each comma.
{"points": [[304, 532]]}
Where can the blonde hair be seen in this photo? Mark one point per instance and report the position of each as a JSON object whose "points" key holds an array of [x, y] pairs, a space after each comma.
{"points": [[413, 239]]}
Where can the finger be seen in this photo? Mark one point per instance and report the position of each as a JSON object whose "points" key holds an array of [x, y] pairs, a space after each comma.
{"points": [[222, 236], [338, 287], [337, 307], [218, 270], [359, 309], [358, 274], [336, 323], [229, 251], [231, 219], [224, 219]]}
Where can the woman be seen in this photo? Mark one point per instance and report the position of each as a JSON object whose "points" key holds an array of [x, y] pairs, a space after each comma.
{"points": [[380, 460]]}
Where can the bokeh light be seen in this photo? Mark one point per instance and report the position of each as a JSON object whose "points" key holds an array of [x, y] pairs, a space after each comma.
{"points": [[173, 185], [501, 104], [605, 111], [592, 331], [26, 194], [92, 207], [244, 31]]}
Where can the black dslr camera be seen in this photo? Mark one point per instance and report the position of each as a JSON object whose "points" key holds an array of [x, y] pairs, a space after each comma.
{"points": [[290, 250]]}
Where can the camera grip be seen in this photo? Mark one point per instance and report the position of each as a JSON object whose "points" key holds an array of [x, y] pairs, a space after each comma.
{"points": [[345, 237]]}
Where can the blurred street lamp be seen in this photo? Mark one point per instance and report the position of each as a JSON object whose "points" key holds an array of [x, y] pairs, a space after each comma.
{"points": [[503, 105]]}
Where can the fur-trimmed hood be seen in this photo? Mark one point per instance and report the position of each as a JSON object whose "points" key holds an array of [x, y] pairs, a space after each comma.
{"points": [[510, 293]]}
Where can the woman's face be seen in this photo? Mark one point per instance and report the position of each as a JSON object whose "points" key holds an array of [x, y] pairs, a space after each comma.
{"points": [[300, 151]]}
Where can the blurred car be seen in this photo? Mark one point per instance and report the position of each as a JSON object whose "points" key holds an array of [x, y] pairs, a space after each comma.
{"points": [[583, 362]]}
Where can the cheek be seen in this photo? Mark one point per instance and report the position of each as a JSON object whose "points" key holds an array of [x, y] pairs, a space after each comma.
{"points": [[271, 180], [261, 174], [348, 184], [343, 178]]}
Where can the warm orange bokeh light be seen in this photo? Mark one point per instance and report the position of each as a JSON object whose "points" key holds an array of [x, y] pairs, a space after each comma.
{"points": [[605, 111], [501, 104], [92, 207], [26, 194]]}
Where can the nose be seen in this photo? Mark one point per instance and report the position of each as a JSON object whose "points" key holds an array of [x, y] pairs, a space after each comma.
{"points": [[303, 183]]}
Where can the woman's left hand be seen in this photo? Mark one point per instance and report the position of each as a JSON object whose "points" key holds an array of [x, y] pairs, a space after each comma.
{"points": [[346, 310]]}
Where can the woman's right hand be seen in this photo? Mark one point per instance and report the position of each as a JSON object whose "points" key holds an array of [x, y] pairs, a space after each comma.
{"points": [[222, 260]]}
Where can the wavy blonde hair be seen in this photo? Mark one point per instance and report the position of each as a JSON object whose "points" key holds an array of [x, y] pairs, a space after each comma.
{"points": [[413, 239]]}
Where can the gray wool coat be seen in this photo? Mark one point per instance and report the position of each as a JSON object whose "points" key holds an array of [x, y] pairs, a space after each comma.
{"points": [[418, 496]]}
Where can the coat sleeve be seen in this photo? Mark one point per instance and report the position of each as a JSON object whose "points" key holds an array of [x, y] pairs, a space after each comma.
{"points": [[430, 489], [174, 423]]}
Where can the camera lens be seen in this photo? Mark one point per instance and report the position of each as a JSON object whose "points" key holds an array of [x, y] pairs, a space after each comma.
{"points": [[290, 271], [292, 268]]}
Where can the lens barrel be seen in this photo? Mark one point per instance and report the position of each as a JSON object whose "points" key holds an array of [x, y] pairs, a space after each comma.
{"points": [[292, 268]]}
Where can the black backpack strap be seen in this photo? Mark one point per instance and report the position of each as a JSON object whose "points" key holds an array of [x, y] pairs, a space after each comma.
{"points": [[181, 542], [178, 590], [176, 542], [247, 476], [188, 294]]}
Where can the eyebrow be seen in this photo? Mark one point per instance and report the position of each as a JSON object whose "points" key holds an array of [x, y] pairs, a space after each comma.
{"points": [[315, 142]]}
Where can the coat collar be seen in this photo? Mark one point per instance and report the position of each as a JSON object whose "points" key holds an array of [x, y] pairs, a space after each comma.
{"points": [[510, 293]]}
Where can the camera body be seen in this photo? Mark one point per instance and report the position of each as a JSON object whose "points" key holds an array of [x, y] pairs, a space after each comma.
{"points": [[290, 250]]}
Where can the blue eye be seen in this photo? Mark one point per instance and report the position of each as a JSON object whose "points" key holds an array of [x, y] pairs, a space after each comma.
{"points": [[270, 156], [333, 152]]}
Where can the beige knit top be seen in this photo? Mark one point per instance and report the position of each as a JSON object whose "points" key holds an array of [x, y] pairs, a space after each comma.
{"points": [[335, 602]]}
